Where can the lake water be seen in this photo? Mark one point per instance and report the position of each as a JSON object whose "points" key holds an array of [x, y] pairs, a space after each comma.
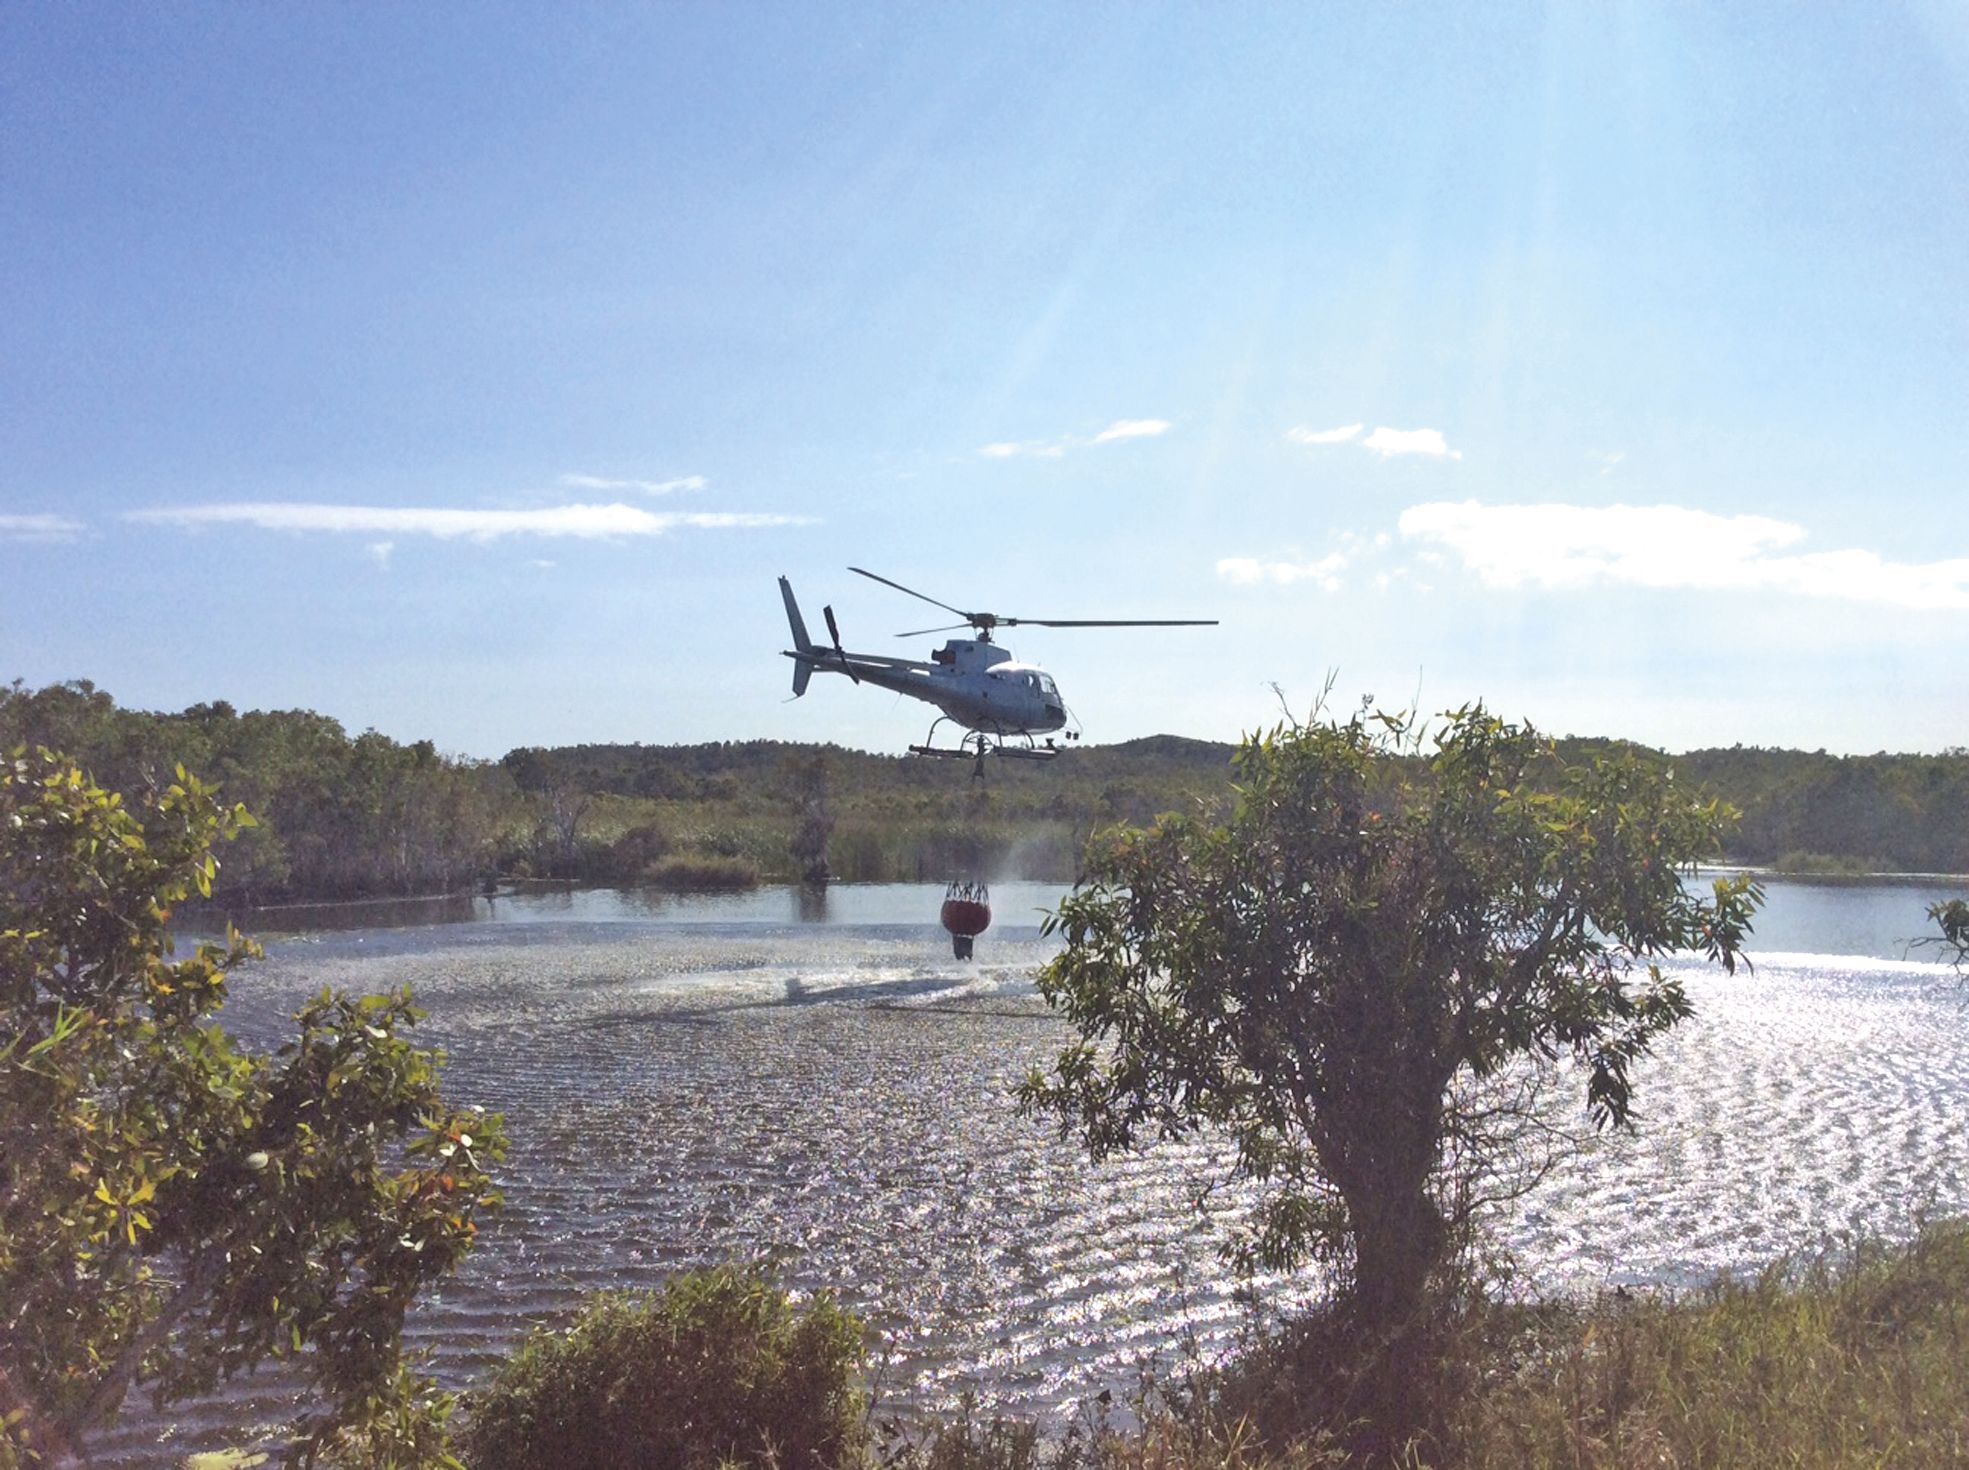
{"points": [[821, 1084]]}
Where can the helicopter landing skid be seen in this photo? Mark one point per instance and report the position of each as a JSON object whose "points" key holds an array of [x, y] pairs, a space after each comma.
{"points": [[981, 743], [972, 752]]}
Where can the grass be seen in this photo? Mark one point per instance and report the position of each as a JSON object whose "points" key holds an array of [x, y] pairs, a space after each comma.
{"points": [[1858, 1361], [1838, 1363], [701, 873]]}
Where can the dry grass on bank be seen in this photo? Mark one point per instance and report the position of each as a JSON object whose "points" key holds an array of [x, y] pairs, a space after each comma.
{"points": [[1859, 1360], [1862, 1361], [1835, 1364]]}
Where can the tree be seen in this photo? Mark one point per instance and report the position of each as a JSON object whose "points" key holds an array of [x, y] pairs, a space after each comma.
{"points": [[808, 777], [1385, 918], [173, 1206], [1951, 921]]}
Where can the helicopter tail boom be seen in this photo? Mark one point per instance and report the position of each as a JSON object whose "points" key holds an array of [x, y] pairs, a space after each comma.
{"points": [[803, 667]]}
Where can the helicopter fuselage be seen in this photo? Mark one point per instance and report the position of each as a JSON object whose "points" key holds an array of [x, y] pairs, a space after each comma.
{"points": [[975, 683], [972, 681]]}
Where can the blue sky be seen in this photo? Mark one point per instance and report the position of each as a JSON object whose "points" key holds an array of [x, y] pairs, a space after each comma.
{"points": [[471, 372]]}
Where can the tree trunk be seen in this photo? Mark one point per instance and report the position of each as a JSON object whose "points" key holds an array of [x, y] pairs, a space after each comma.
{"points": [[110, 1389], [1399, 1238]]}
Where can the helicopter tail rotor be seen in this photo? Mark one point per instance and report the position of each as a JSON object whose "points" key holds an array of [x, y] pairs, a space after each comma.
{"points": [[834, 632]]}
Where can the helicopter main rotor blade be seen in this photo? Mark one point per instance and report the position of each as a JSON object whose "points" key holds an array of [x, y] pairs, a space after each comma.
{"points": [[1110, 622], [968, 617], [984, 622]]}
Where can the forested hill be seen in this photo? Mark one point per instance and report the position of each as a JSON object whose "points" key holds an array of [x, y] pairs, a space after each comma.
{"points": [[344, 815], [1812, 811]]}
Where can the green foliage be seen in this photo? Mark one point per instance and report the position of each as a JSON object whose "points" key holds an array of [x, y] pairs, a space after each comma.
{"points": [[1823, 865], [404, 1424], [1381, 921], [352, 817], [1951, 921], [174, 1208], [339, 817], [717, 1368], [635, 852], [870, 818], [1901, 813], [701, 874]]}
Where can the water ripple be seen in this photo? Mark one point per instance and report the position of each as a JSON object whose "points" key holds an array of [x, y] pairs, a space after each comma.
{"points": [[838, 1103]]}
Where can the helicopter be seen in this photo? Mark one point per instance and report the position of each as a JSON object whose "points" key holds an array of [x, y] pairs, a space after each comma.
{"points": [[1005, 707]]}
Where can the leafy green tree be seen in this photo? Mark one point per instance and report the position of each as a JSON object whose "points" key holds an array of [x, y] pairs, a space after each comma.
{"points": [[1386, 917], [173, 1206]]}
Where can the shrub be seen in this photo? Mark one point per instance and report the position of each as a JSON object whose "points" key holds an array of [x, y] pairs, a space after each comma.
{"points": [[631, 854], [718, 1367], [701, 872], [1823, 865]]}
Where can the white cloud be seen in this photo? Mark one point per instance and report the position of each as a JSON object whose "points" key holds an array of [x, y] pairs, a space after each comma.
{"points": [[379, 552], [1611, 462], [1284, 570], [1670, 546], [648, 487], [1133, 429], [586, 521], [15, 527], [1057, 448], [1304, 435], [1245, 571], [1390, 442], [1384, 441]]}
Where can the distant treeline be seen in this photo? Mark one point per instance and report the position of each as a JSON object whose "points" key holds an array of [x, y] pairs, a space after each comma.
{"points": [[339, 816], [347, 816], [1873, 813]]}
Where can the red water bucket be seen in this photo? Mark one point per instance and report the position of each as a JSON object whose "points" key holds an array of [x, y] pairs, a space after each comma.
{"points": [[966, 914]]}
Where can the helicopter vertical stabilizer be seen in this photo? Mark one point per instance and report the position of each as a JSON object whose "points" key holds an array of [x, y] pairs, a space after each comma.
{"points": [[802, 668]]}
